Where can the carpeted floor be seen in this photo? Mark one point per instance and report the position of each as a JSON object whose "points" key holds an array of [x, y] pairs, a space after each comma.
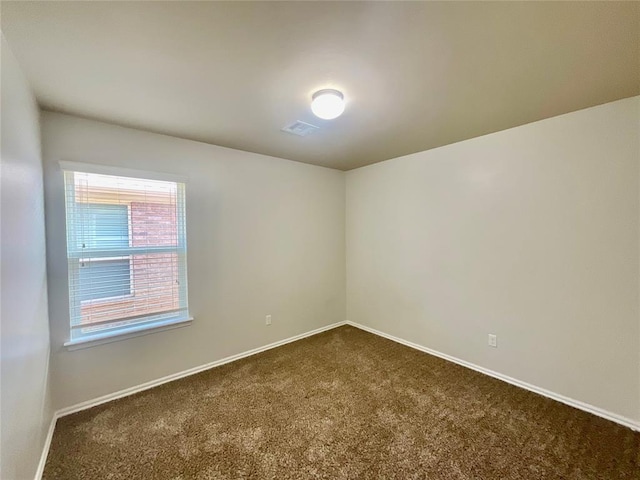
{"points": [[342, 404]]}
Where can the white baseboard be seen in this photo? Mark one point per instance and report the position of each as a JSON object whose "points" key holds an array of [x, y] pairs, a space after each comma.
{"points": [[45, 448], [169, 378], [154, 383], [627, 422], [192, 371]]}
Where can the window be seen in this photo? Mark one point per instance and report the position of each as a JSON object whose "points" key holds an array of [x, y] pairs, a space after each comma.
{"points": [[126, 252]]}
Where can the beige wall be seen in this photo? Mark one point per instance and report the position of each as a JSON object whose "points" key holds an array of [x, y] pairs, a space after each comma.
{"points": [[24, 345], [530, 234], [265, 236]]}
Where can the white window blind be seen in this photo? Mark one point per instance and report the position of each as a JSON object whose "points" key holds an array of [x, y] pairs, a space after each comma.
{"points": [[127, 253]]}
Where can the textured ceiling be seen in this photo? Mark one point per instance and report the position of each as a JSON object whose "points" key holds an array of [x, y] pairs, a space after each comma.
{"points": [[415, 75]]}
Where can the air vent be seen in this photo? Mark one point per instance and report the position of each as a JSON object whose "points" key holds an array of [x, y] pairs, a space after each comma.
{"points": [[301, 129]]}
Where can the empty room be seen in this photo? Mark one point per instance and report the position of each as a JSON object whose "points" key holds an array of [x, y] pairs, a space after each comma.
{"points": [[316, 239]]}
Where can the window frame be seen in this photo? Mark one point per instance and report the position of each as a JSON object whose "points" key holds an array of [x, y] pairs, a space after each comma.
{"points": [[154, 322]]}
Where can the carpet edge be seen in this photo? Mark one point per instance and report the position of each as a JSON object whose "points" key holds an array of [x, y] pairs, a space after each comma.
{"points": [[46, 447], [160, 381], [191, 371], [586, 407]]}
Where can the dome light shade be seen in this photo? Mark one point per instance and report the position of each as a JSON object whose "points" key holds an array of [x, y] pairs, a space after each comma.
{"points": [[327, 104]]}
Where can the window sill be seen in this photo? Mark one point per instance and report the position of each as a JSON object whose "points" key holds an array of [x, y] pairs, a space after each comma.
{"points": [[130, 333]]}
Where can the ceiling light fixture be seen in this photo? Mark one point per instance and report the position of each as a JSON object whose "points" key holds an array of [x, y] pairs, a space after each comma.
{"points": [[327, 104]]}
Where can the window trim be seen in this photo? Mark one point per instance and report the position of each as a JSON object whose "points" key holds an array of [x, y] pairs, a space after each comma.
{"points": [[182, 319], [132, 332], [121, 172]]}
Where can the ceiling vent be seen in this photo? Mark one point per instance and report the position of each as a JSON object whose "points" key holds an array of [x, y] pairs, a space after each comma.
{"points": [[301, 129]]}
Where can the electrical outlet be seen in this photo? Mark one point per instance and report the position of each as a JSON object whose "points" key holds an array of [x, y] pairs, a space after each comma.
{"points": [[267, 320], [493, 340]]}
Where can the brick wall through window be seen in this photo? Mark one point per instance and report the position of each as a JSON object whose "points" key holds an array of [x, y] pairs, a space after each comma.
{"points": [[154, 277]]}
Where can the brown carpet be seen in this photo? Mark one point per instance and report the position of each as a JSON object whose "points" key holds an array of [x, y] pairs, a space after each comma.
{"points": [[342, 404]]}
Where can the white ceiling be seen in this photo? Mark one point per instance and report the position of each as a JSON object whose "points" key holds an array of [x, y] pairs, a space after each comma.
{"points": [[416, 75]]}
